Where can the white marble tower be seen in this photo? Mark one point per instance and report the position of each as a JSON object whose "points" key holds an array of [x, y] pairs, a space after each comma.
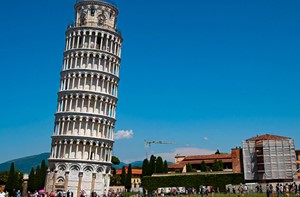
{"points": [[82, 141]]}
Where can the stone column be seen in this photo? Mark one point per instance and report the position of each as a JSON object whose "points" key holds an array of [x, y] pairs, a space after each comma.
{"points": [[97, 83], [115, 48], [101, 152], [65, 149], [25, 185], [59, 149], [47, 181], [71, 61], [111, 46], [77, 149], [83, 149], [79, 184], [76, 60], [73, 41], [95, 104], [101, 42], [71, 102], [66, 181], [81, 59], [70, 149], [62, 127], [106, 42], [90, 151], [96, 39], [78, 38], [83, 39], [90, 39], [93, 182], [96, 151], [89, 103], [54, 180], [67, 43]]}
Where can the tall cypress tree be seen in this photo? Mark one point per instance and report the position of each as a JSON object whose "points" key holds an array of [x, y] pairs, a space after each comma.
{"points": [[166, 169], [31, 181], [159, 165], [18, 180], [123, 176], [128, 178], [12, 179], [37, 185], [152, 166], [145, 167], [43, 174]]}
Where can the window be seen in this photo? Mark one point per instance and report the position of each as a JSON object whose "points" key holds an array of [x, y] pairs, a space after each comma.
{"points": [[93, 12]]}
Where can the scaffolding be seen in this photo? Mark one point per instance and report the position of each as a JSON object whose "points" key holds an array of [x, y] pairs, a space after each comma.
{"points": [[269, 159]]}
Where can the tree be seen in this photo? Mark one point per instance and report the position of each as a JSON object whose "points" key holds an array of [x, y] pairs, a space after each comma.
{"points": [[11, 179], [152, 166], [217, 152], [128, 178], [115, 180], [43, 174], [31, 181], [115, 160], [159, 165], [37, 185], [189, 167], [4, 176], [203, 166], [166, 169], [123, 176], [145, 167], [18, 179], [217, 165], [221, 167]]}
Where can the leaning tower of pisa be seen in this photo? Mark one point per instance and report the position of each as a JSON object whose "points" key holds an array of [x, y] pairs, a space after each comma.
{"points": [[82, 141]]}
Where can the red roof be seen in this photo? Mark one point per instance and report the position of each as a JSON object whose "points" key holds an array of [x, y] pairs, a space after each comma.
{"points": [[198, 159], [176, 166], [134, 171], [207, 157], [206, 161], [268, 137]]}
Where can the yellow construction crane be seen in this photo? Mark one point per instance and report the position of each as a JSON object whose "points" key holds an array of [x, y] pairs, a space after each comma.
{"points": [[149, 142]]}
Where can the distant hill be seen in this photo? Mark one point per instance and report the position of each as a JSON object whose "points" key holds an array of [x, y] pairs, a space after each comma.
{"points": [[26, 163]]}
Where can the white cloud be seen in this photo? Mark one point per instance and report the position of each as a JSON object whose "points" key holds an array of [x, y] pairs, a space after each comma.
{"points": [[205, 138], [123, 134], [185, 152]]}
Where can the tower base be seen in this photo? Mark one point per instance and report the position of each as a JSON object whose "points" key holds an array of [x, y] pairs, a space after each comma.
{"points": [[77, 178]]}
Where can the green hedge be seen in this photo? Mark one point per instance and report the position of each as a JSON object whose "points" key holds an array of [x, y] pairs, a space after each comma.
{"points": [[193, 180]]}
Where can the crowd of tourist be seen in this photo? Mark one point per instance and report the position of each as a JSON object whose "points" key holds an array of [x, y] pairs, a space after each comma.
{"points": [[271, 190], [14, 193]]}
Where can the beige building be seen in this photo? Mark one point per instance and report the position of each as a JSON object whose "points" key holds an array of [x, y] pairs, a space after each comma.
{"points": [[136, 180]]}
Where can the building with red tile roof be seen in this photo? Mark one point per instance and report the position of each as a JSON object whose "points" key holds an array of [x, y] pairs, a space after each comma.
{"points": [[231, 162]]}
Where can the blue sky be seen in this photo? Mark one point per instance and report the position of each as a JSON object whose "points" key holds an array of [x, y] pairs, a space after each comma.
{"points": [[203, 74]]}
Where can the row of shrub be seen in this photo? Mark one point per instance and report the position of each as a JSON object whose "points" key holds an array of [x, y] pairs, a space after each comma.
{"points": [[192, 181]]}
